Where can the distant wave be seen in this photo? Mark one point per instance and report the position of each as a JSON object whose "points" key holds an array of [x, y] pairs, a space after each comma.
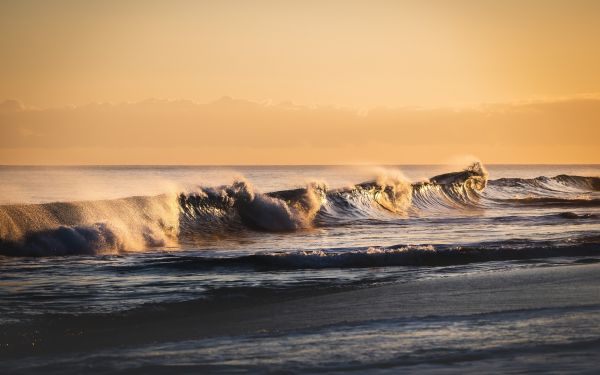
{"points": [[399, 255], [573, 216], [139, 223], [559, 191], [554, 202]]}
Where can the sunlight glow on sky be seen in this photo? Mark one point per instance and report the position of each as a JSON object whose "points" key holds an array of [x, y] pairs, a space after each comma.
{"points": [[437, 57]]}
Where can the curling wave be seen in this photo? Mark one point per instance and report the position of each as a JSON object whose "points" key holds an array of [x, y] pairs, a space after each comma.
{"points": [[139, 223]]}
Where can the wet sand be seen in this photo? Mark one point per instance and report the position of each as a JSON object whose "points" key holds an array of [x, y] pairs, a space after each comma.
{"points": [[514, 290]]}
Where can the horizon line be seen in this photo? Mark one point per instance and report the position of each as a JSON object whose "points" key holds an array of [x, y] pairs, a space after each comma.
{"points": [[288, 165]]}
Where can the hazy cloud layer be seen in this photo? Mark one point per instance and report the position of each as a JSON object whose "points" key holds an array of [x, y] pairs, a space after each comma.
{"points": [[231, 131]]}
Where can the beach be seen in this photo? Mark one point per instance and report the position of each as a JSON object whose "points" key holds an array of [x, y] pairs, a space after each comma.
{"points": [[512, 299]]}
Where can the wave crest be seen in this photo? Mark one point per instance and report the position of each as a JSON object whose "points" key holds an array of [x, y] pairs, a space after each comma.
{"points": [[138, 223]]}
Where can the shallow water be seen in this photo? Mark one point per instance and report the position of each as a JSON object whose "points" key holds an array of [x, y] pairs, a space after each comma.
{"points": [[195, 234]]}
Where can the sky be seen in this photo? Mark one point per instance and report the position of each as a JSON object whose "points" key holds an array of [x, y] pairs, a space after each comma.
{"points": [[299, 82]]}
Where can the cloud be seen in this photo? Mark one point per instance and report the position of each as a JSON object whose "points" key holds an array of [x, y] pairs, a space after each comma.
{"points": [[11, 105], [242, 131]]}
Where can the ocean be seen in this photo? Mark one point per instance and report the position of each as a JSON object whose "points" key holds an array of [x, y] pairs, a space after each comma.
{"points": [[300, 269]]}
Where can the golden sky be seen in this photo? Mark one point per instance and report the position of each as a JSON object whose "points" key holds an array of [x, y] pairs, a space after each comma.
{"points": [[372, 81]]}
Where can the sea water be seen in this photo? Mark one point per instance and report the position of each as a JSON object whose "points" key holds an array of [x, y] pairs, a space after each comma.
{"points": [[94, 244]]}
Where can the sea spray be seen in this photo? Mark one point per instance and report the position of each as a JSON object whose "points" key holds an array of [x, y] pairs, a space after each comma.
{"points": [[108, 226]]}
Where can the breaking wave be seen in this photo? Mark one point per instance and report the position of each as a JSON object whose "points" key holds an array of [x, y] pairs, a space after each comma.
{"points": [[111, 226], [238, 205], [139, 223]]}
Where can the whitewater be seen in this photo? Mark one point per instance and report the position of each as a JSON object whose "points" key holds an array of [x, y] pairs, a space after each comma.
{"points": [[314, 269]]}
